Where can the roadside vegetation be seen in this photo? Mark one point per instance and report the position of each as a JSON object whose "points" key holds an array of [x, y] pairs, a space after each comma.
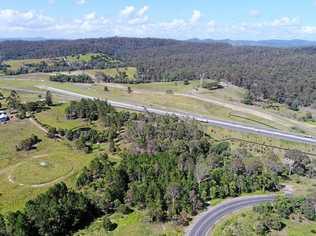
{"points": [[286, 216]]}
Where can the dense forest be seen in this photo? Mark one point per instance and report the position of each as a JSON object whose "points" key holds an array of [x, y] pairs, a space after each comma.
{"points": [[283, 75]]}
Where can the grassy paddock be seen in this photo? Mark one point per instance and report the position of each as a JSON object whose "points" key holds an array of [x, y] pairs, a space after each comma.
{"points": [[16, 64], [23, 167], [133, 224], [130, 71], [55, 117]]}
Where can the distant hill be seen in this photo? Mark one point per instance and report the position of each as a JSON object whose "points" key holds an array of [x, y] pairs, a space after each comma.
{"points": [[295, 43], [23, 39], [284, 72]]}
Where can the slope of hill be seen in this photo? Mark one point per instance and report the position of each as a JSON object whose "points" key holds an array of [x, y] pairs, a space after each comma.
{"points": [[277, 43], [279, 74]]}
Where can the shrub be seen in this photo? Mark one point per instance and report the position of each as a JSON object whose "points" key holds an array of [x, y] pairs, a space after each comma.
{"points": [[107, 224], [124, 209], [28, 144]]}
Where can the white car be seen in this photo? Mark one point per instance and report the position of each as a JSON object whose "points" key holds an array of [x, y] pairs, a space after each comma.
{"points": [[3, 117]]}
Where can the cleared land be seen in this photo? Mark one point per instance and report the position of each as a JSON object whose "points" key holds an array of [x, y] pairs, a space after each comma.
{"points": [[55, 117], [130, 72], [89, 57], [133, 224], [16, 64], [19, 171], [222, 103]]}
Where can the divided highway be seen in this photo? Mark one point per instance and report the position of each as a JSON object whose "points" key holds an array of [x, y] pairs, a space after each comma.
{"points": [[220, 123], [207, 221]]}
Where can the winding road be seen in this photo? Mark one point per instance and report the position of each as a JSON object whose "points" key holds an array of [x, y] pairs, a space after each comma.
{"points": [[220, 123], [205, 222]]}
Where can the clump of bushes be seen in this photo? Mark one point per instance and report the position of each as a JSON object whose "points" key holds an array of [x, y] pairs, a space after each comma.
{"points": [[28, 144]]}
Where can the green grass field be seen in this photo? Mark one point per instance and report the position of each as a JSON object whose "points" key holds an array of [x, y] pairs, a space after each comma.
{"points": [[20, 170], [82, 57], [88, 57], [130, 71], [16, 64], [174, 102], [55, 117], [23, 96], [133, 224], [53, 168]]}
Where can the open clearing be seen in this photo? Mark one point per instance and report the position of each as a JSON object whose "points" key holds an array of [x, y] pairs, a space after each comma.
{"points": [[222, 103], [55, 117], [44, 171], [133, 224], [219, 104], [21, 175], [16, 64], [130, 72]]}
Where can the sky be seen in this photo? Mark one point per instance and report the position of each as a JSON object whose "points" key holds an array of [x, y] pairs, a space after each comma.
{"points": [[178, 19]]}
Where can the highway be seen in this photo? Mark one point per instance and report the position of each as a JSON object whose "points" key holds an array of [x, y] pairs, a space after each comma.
{"points": [[205, 223], [214, 122]]}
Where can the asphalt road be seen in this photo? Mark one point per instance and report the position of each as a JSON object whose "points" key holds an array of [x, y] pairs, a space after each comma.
{"points": [[220, 123], [205, 223]]}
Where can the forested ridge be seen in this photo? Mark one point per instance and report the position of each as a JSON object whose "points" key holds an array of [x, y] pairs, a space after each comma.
{"points": [[283, 75]]}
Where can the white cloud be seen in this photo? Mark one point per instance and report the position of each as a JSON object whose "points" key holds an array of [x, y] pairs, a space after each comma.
{"points": [[136, 22], [254, 13], [127, 11], [132, 16], [141, 12], [181, 23], [90, 16], [211, 26], [12, 19], [196, 16], [309, 29], [285, 21], [174, 24], [81, 2]]}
